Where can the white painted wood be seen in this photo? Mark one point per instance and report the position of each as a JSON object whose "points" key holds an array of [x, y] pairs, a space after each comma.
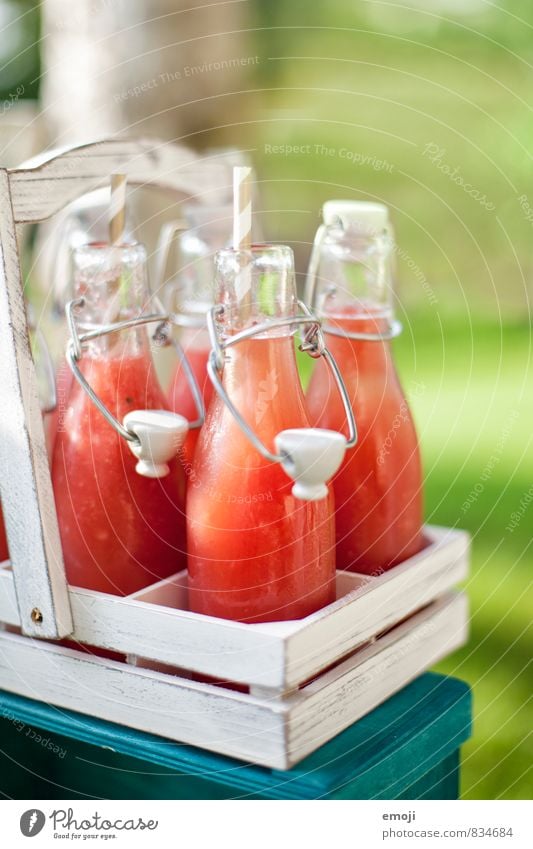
{"points": [[154, 623], [377, 603], [332, 702], [200, 714], [212, 646], [42, 188], [9, 614], [25, 485], [275, 733]]}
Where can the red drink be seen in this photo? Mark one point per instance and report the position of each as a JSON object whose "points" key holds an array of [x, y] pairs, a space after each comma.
{"points": [[120, 531], [55, 420], [180, 398], [256, 553], [378, 489]]}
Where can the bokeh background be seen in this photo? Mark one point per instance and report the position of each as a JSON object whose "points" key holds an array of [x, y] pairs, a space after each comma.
{"points": [[425, 105]]}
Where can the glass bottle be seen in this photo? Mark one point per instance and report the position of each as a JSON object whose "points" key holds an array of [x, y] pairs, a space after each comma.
{"points": [[84, 220], [189, 295], [120, 531], [255, 552], [378, 489]]}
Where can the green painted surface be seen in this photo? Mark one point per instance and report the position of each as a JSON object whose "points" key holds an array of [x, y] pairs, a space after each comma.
{"points": [[407, 748]]}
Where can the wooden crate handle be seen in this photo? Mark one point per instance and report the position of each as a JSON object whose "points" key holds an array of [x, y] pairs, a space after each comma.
{"points": [[31, 194], [40, 190]]}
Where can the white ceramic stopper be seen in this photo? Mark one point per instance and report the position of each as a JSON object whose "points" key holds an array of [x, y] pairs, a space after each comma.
{"points": [[313, 455], [364, 216], [161, 434]]}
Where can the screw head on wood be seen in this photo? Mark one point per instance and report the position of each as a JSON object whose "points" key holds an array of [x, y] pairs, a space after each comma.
{"points": [[36, 616]]}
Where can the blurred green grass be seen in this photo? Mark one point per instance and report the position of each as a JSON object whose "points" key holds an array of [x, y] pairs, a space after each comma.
{"points": [[473, 437], [478, 457], [381, 82]]}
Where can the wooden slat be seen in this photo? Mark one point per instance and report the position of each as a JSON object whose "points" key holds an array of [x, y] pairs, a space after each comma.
{"points": [[336, 699], [381, 756], [200, 714], [215, 647], [45, 188], [211, 646], [25, 485], [275, 733], [27, 195]]}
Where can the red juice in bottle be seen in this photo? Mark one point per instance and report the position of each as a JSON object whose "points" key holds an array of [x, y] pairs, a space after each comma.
{"points": [[378, 489], [54, 420], [195, 344], [255, 552], [120, 531]]}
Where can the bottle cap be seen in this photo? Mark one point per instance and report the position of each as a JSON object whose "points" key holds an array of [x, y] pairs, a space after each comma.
{"points": [[311, 455], [371, 218], [161, 434]]}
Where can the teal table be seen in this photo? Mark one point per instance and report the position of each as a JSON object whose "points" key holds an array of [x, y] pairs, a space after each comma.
{"points": [[408, 748]]}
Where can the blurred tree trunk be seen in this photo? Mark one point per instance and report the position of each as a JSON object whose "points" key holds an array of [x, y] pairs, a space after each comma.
{"points": [[158, 68], [141, 66]]}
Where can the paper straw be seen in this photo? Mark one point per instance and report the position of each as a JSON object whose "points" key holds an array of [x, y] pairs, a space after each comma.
{"points": [[117, 209], [242, 224], [242, 208], [117, 223]]}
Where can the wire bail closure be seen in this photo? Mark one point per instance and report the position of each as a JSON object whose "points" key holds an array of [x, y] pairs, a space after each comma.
{"points": [[150, 434], [394, 327], [311, 456]]}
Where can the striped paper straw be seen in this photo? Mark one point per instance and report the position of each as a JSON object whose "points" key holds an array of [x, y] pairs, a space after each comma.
{"points": [[242, 224], [242, 208], [117, 209]]}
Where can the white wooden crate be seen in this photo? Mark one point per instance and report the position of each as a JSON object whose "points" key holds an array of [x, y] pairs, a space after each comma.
{"points": [[275, 730], [302, 681], [307, 680]]}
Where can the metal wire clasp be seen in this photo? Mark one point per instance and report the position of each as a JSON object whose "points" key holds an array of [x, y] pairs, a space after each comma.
{"points": [[312, 343], [162, 336]]}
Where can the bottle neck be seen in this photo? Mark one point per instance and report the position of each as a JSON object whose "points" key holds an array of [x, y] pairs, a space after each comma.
{"points": [[254, 287], [112, 281], [353, 272]]}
